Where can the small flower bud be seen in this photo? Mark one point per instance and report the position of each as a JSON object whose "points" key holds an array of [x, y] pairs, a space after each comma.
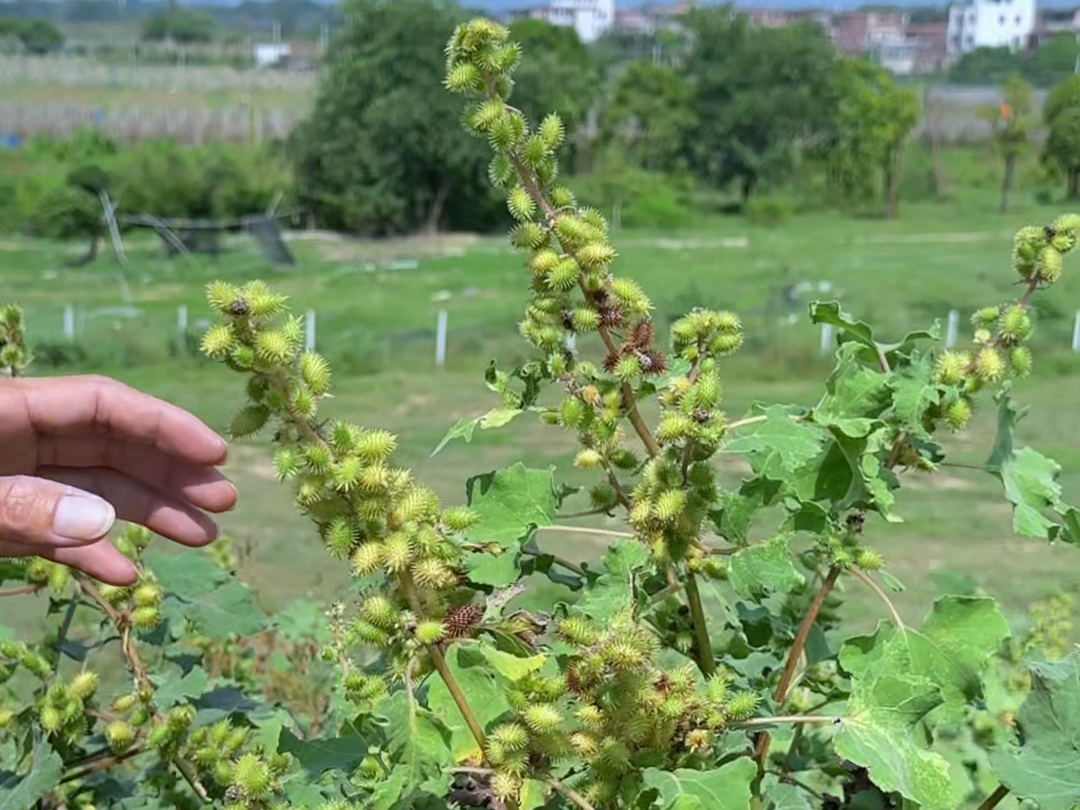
{"points": [[741, 705], [542, 718], [1020, 361], [147, 595], [120, 736], [252, 776], [145, 618], [430, 632], [84, 685], [958, 414], [1015, 325], [951, 367], [368, 558], [985, 317], [989, 367], [124, 704], [588, 459]]}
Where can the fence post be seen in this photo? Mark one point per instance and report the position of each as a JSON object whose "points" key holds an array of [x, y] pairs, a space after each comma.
{"points": [[309, 331], [69, 322], [826, 337], [571, 342], [950, 333], [440, 338], [1076, 332], [181, 319]]}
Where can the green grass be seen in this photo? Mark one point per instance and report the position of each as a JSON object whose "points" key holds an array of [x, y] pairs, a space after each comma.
{"points": [[899, 275]]}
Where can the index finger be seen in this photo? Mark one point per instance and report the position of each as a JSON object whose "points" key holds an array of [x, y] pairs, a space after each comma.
{"points": [[73, 406]]}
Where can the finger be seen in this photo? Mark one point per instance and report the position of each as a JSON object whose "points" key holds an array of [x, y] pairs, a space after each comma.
{"points": [[73, 406], [202, 486], [47, 514], [100, 561], [137, 503]]}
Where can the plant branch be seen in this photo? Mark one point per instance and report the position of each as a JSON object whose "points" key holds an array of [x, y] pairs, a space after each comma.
{"points": [[21, 591], [784, 720], [412, 596], [569, 566], [187, 770], [701, 628], [587, 530], [994, 799], [761, 752], [123, 627], [866, 579], [581, 514], [572, 795], [750, 420], [101, 762], [791, 780]]}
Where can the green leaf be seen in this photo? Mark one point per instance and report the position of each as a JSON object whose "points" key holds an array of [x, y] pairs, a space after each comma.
{"points": [[777, 445], [534, 794], [511, 667], [913, 395], [880, 731], [480, 683], [1008, 417], [725, 788], [855, 396], [316, 757], [23, 791], [615, 590], [172, 688], [419, 745], [1031, 486], [464, 428], [782, 796], [496, 570], [229, 610], [851, 330], [511, 503], [764, 568], [1046, 769], [187, 575]]}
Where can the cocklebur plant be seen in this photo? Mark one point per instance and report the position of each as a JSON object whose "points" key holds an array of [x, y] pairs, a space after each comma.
{"points": [[660, 675]]}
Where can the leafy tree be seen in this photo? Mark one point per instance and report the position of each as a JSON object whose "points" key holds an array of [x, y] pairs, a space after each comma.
{"points": [[758, 93], [562, 78], [1012, 121], [873, 120], [37, 36], [378, 154], [649, 115], [985, 65], [1061, 113], [177, 24], [1054, 60]]}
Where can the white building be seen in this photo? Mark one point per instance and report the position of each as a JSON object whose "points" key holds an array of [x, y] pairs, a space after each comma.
{"points": [[990, 24], [590, 18]]}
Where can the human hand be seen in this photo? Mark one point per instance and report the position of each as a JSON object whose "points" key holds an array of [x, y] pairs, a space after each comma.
{"points": [[76, 453]]}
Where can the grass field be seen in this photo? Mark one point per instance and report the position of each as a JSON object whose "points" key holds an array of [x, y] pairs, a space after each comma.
{"points": [[899, 275]]}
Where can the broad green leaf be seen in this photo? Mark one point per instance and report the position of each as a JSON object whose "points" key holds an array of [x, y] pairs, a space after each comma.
{"points": [[302, 619], [777, 445], [511, 667], [419, 746], [726, 788], [1008, 417], [228, 610], [480, 683], [464, 428], [615, 590], [511, 503], [186, 575], [1046, 769], [534, 794], [782, 796], [881, 731], [764, 568], [912, 395], [341, 754], [172, 688], [496, 570], [22, 791], [851, 330], [1031, 486], [855, 396]]}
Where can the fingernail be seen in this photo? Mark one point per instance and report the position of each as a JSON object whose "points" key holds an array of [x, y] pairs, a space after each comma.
{"points": [[83, 517]]}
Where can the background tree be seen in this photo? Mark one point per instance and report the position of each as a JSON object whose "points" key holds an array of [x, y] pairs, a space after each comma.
{"points": [[177, 24], [649, 115], [872, 122], [380, 153], [985, 65], [1061, 113], [1012, 121], [36, 36], [758, 94]]}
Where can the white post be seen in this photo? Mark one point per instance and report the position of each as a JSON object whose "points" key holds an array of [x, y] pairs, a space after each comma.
{"points": [[954, 324], [571, 342], [309, 331], [440, 338], [826, 337], [69, 322], [1076, 332], [181, 319]]}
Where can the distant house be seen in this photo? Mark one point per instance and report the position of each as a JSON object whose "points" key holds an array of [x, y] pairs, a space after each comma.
{"points": [[989, 24], [590, 18], [271, 54]]}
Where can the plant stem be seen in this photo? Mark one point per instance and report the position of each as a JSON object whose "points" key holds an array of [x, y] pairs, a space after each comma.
{"points": [[884, 597], [408, 586], [761, 752], [192, 778], [994, 799], [101, 763], [791, 780], [587, 530], [569, 566], [701, 628], [123, 627], [751, 420], [783, 720], [21, 591], [572, 795]]}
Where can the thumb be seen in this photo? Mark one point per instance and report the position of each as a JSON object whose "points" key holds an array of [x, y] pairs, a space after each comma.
{"points": [[39, 512]]}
